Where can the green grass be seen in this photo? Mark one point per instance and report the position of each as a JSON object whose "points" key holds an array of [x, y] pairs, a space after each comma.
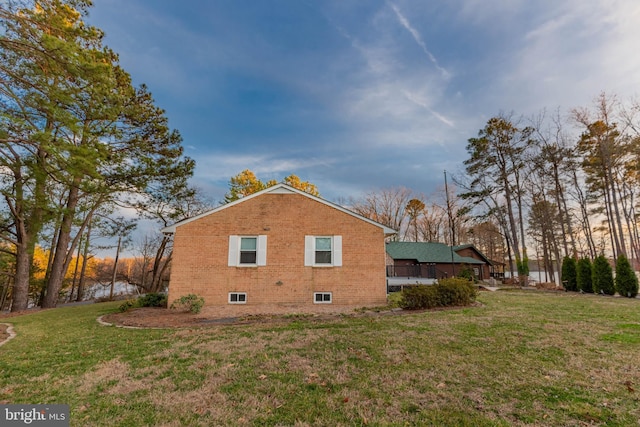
{"points": [[519, 359]]}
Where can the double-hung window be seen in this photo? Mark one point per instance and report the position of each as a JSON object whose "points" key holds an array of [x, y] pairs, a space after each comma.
{"points": [[247, 251], [323, 251]]}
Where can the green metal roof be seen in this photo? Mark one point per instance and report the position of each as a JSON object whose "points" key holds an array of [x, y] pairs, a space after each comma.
{"points": [[424, 252]]}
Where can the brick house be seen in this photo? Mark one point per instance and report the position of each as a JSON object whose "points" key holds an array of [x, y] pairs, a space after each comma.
{"points": [[279, 246]]}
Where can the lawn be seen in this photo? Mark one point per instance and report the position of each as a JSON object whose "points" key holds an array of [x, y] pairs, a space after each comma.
{"points": [[521, 358]]}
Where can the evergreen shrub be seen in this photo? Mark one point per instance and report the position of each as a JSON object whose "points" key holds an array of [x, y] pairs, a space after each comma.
{"points": [[190, 302], [584, 273], [569, 274], [153, 299], [603, 276], [626, 282], [447, 292]]}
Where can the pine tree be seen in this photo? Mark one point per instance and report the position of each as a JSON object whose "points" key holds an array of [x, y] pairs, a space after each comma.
{"points": [[77, 134], [626, 280], [569, 274], [584, 273], [603, 276]]}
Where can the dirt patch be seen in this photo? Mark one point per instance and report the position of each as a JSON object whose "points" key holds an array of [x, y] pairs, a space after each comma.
{"points": [[4, 334], [152, 317], [148, 317], [547, 286]]}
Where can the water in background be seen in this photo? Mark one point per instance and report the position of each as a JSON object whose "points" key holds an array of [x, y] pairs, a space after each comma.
{"points": [[98, 290]]}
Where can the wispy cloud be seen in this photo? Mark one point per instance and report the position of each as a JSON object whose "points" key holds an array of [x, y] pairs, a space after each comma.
{"points": [[570, 53], [418, 38], [354, 95], [222, 166], [422, 103]]}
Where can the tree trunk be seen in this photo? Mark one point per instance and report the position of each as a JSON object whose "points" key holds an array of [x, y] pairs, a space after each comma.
{"points": [[157, 264], [57, 269], [85, 257], [20, 300], [586, 225]]}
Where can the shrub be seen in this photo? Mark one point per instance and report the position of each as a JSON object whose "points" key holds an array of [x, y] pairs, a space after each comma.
{"points": [[153, 299], [569, 274], [626, 281], [467, 273], [603, 276], [127, 305], [447, 292], [584, 272], [393, 299], [419, 297], [190, 302]]}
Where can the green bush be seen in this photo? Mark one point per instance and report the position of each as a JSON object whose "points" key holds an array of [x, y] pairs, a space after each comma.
{"points": [[569, 275], [603, 276], [190, 302], [153, 299], [447, 292], [419, 297], [127, 305], [467, 273], [626, 281], [393, 299], [584, 271]]}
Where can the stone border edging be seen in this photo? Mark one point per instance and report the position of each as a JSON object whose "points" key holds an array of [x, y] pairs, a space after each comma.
{"points": [[102, 322], [11, 333]]}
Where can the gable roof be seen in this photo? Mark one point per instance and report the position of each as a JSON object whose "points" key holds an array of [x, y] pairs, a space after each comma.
{"points": [[476, 250], [428, 252], [277, 189]]}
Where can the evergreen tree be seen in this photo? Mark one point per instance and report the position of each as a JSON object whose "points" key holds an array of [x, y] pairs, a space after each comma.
{"points": [[584, 272], [626, 280], [76, 134], [496, 163], [569, 274], [602, 276]]}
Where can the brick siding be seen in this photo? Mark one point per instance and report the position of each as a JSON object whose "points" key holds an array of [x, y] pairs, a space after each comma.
{"points": [[201, 247]]}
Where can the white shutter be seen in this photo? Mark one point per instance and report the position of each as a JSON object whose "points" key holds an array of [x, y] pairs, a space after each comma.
{"points": [[309, 250], [337, 251], [262, 250], [233, 251]]}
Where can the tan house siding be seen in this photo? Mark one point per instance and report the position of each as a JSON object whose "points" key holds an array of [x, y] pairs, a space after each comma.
{"points": [[201, 254]]}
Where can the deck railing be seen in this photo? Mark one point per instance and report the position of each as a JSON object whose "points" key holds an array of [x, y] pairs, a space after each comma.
{"points": [[426, 271]]}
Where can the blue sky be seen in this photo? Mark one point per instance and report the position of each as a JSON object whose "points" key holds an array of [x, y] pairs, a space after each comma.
{"points": [[358, 96]]}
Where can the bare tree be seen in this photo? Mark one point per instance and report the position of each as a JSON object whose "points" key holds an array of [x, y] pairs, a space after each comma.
{"points": [[388, 207]]}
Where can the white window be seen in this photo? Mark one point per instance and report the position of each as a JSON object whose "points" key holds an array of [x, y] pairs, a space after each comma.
{"points": [[323, 251], [237, 297], [322, 297], [247, 251]]}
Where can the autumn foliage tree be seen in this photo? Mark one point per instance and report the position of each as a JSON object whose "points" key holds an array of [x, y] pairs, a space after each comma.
{"points": [[246, 183]]}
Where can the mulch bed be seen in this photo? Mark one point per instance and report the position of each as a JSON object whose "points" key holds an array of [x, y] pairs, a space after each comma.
{"points": [[151, 317]]}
